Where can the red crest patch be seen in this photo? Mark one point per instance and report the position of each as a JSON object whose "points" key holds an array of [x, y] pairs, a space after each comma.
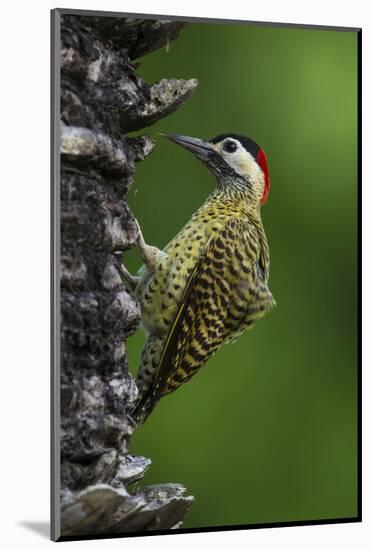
{"points": [[262, 161]]}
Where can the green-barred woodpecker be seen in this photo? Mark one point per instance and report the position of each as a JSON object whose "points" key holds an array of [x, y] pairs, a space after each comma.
{"points": [[210, 283]]}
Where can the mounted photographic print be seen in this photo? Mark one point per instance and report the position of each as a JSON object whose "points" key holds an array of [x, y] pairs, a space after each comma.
{"points": [[205, 208]]}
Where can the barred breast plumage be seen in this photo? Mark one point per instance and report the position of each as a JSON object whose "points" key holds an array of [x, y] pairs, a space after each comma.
{"points": [[212, 287]]}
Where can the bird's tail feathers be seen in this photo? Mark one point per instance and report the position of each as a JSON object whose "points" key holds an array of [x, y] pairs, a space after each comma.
{"points": [[143, 407]]}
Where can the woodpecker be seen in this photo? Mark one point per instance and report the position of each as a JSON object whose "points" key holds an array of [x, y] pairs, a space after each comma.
{"points": [[210, 283]]}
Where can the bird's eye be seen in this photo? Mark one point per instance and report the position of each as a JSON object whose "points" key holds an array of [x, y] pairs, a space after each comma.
{"points": [[230, 146]]}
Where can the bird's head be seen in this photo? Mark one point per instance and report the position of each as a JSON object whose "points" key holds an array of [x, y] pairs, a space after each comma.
{"points": [[237, 162]]}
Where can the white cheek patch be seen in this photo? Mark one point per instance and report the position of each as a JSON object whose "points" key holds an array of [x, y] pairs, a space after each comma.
{"points": [[243, 163]]}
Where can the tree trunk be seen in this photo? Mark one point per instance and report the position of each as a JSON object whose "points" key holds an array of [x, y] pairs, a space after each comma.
{"points": [[102, 98]]}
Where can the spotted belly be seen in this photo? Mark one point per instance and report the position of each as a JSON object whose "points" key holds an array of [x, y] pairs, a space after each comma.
{"points": [[160, 293]]}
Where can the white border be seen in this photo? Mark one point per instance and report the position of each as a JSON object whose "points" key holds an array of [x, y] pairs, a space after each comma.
{"points": [[25, 267]]}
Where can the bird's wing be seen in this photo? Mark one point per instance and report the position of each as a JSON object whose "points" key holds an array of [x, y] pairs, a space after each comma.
{"points": [[220, 297]]}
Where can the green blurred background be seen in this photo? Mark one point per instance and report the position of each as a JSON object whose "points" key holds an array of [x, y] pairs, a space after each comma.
{"points": [[266, 432]]}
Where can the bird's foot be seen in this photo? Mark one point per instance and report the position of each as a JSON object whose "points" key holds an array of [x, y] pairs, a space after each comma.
{"points": [[152, 256], [132, 280]]}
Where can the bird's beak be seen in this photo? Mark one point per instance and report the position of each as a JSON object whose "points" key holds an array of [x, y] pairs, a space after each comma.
{"points": [[202, 149]]}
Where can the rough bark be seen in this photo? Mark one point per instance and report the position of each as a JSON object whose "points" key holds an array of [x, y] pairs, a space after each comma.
{"points": [[103, 98]]}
